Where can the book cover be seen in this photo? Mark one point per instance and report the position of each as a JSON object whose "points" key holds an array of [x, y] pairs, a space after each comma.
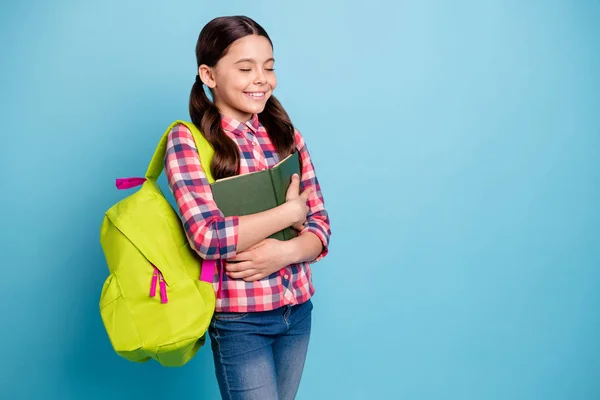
{"points": [[257, 191]]}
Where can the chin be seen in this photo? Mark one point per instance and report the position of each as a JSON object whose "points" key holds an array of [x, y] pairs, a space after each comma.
{"points": [[248, 104], [254, 109]]}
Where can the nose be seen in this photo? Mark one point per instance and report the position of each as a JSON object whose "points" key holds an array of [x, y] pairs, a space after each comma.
{"points": [[260, 78]]}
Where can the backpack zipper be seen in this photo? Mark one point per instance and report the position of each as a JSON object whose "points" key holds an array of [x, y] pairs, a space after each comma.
{"points": [[157, 276], [163, 289], [153, 283]]}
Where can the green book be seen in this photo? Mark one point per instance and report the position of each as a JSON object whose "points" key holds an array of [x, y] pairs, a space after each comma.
{"points": [[257, 191]]}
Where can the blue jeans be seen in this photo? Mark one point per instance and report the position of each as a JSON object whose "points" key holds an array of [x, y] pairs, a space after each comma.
{"points": [[260, 356]]}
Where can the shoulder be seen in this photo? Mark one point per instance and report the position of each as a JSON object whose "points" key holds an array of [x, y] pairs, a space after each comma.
{"points": [[180, 134], [179, 130], [299, 139]]}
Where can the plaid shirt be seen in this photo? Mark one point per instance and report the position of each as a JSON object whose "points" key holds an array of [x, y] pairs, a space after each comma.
{"points": [[214, 236]]}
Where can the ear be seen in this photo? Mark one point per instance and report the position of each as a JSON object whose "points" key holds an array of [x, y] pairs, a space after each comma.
{"points": [[207, 76]]}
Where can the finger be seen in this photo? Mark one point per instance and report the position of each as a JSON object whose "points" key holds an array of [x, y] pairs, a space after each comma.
{"points": [[240, 266], [245, 255], [255, 277], [294, 188], [307, 193], [242, 274], [295, 179]]}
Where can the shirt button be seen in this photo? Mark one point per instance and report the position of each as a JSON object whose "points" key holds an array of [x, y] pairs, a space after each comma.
{"points": [[286, 276]]}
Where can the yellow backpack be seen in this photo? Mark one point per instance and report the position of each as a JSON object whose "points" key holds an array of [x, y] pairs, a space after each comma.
{"points": [[158, 300]]}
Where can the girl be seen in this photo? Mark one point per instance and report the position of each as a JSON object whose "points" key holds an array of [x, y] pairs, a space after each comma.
{"points": [[262, 322]]}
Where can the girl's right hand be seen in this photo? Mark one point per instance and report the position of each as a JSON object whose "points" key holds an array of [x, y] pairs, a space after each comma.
{"points": [[298, 202]]}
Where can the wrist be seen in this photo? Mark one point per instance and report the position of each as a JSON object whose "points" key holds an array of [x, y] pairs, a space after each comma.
{"points": [[291, 252], [289, 212]]}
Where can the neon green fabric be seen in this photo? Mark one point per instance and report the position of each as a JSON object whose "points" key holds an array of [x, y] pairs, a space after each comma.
{"points": [[144, 243]]}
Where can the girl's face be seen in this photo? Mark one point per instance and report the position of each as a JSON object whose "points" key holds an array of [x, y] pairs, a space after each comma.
{"points": [[243, 80]]}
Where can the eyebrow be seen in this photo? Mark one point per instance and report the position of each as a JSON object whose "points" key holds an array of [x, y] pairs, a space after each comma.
{"points": [[251, 60]]}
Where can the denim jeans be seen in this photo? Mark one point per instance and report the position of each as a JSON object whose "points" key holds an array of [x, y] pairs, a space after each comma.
{"points": [[260, 356]]}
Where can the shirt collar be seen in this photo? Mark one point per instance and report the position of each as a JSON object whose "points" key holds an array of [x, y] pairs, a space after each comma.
{"points": [[236, 127]]}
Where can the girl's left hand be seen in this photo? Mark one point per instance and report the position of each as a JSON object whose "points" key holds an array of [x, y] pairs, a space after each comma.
{"points": [[260, 260]]}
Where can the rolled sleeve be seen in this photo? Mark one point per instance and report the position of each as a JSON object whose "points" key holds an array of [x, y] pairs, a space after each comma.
{"points": [[322, 233], [317, 219], [210, 234], [227, 230]]}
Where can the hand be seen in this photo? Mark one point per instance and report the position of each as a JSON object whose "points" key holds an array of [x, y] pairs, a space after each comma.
{"points": [[259, 261], [299, 201]]}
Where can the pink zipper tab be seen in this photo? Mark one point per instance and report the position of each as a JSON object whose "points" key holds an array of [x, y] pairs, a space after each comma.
{"points": [[157, 277], [153, 283], [163, 289], [128, 183]]}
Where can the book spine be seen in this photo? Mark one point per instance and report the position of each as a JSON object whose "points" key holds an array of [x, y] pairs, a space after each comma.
{"points": [[278, 185], [277, 182]]}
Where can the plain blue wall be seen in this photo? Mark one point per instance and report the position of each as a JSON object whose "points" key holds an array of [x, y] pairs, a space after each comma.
{"points": [[457, 146]]}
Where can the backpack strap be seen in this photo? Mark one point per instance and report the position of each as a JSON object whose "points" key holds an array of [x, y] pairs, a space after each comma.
{"points": [[205, 150], [206, 153]]}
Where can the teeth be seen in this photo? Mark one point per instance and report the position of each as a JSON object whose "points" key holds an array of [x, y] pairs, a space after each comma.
{"points": [[256, 94]]}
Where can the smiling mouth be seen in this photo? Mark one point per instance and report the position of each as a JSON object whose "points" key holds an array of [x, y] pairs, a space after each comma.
{"points": [[256, 95]]}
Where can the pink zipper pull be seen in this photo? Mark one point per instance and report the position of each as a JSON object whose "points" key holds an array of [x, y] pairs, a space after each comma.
{"points": [[154, 281], [163, 289], [128, 183]]}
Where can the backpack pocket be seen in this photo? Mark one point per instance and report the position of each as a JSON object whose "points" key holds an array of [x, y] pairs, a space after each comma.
{"points": [[118, 322]]}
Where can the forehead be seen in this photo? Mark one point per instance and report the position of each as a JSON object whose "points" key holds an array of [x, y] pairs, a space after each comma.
{"points": [[254, 47]]}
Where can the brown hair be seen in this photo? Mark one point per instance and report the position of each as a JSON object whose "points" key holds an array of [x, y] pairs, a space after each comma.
{"points": [[213, 42]]}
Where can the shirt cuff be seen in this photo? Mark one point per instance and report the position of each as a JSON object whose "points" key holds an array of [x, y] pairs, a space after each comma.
{"points": [[227, 233], [321, 234]]}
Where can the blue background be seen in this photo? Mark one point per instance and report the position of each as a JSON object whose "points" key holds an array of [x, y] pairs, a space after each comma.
{"points": [[457, 146]]}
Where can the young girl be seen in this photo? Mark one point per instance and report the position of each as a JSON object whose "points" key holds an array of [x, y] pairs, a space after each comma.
{"points": [[261, 327]]}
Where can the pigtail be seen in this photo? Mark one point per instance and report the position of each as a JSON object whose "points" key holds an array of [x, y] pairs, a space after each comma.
{"points": [[205, 115]]}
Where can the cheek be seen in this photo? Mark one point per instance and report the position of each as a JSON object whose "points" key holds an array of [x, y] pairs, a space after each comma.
{"points": [[235, 85], [238, 85]]}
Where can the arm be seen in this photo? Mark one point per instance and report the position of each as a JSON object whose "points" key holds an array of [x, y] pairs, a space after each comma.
{"points": [[312, 243], [305, 248], [211, 234], [256, 227]]}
